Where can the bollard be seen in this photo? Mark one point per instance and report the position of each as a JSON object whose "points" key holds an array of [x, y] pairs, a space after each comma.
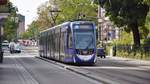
{"points": [[1, 56]]}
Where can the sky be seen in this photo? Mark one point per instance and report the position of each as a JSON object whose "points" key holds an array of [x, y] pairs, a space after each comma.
{"points": [[28, 8]]}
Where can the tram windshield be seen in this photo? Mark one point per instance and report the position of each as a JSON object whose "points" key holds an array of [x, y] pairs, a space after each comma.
{"points": [[84, 36]]}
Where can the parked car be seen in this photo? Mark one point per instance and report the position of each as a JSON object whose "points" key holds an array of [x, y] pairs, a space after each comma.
{"points": [[101, 52], [5, 45]]}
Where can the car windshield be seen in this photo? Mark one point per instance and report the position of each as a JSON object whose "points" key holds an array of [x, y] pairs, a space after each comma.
{"points": [[84, 38]]}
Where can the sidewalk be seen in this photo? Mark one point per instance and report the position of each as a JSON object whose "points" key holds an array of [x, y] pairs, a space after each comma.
{"points": [[131, 61]]}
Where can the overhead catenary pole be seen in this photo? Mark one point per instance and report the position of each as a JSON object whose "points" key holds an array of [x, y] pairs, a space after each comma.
{"points": [[54, 12], [99, 23]]}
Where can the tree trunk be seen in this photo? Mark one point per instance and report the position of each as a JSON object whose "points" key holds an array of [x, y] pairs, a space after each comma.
{"points": [[136, 34]]}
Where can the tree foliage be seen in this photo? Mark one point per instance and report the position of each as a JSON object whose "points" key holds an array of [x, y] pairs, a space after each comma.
{"points": [[123, 39], [43, 20], [147, 2], [9, 30], [32, 31], [127, 13], [9, 25], [25, 35], [69, 10], [72, 9], [147, 24]]}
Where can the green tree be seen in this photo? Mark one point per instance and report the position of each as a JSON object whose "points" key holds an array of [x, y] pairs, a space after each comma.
{"points": [[43, 20], [25, 35], [73, 9], [147, 2], [70, 10], [127, 13], [9, 25], [147, 24], [9, 30], [32, 32]]}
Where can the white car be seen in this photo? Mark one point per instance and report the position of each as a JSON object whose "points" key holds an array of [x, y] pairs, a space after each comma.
{"points": [[5, 45], [17, 48]]}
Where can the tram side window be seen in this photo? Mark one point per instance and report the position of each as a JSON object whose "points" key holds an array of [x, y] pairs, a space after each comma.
{"points": [[69, 40]]}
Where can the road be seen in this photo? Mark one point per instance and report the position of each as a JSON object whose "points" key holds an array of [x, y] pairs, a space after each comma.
{"points": [[24, 68], [118, 71], [112, 70]]}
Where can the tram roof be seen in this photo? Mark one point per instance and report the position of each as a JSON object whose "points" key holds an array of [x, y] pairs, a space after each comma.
{"points": [[51, 28], [63, 24]]}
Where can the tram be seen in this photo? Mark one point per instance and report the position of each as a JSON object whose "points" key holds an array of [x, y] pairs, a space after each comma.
{"points": [[69, 42]]}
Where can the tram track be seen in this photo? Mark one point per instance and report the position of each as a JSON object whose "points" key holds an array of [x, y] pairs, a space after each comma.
{"points": [[81, 72], [25, 73], [111, 72]]}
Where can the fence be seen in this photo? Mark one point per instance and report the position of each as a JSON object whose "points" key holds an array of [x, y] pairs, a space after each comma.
{"points": [[142, 52]]}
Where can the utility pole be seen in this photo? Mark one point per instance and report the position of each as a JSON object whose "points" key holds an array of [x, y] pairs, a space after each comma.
{"points": [[99, 22], [54, 12], [99, 19]]}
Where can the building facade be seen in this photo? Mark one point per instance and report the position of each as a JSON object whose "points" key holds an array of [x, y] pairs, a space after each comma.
{"points": [[21, 25], [107, 31]]}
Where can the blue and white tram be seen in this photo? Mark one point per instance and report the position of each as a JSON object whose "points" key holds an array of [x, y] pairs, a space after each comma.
{"points": [[70, 42]]}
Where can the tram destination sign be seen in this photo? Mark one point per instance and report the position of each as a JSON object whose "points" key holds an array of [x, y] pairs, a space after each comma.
{"points": [[83, 26]]}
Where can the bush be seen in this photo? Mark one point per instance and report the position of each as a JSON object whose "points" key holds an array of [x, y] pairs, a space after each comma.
{"points": [[147, 41], [127, 51], [123, 39]]}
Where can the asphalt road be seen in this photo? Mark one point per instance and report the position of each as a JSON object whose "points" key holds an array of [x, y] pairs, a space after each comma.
{"points": [[24, 68], [111, 70], [118, 71]]}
